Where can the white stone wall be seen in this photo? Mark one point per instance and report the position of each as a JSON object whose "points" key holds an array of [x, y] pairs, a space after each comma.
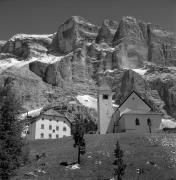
{"points": [[129, 121], [35, 129], [46, 131]]}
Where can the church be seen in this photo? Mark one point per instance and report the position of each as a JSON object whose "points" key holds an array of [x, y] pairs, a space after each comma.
{"points": [[134, 114]]}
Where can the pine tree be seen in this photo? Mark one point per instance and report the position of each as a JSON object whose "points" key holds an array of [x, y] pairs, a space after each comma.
{"points": [[78, 136], [120, 166], [10, 133]]}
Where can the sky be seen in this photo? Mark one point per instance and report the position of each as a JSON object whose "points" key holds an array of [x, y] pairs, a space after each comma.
{"points": [[45, 16]]}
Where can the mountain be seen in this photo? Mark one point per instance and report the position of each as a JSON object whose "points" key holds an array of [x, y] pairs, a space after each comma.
{"points": [[59, 67]]}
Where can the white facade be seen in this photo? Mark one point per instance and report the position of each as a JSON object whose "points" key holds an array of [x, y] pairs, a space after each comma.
{"points": [[105, 108], [134, 114], [128, 122], [49, 127]]}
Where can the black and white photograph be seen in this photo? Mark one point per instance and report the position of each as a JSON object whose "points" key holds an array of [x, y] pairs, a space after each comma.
{"points": [[87, 89]]}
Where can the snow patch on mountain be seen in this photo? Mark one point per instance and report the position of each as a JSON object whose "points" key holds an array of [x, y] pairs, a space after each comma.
{"points": [[90, 101], [167, 123], [49, 59], [87, 101], [32, 113], [12, 62], [140, 71], [29, 36]]}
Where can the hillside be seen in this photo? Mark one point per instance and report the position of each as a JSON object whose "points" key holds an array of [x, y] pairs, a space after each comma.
{"points": [[73, 61], [154, 153]]}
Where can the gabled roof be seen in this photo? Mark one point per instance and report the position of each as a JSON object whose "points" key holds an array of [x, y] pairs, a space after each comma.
{"points": [[51, 112], [138, 96]]}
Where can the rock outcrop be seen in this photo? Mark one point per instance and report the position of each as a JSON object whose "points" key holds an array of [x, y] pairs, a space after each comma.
{"points": [[107, 31], [75, 59], [73, 34], [24, 46]]}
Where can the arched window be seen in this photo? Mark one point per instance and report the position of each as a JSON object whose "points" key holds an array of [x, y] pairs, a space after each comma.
{"points": [[149, 122], [137, 122]]}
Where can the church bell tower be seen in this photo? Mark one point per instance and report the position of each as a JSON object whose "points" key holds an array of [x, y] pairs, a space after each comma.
{"points": [[105, 107]]}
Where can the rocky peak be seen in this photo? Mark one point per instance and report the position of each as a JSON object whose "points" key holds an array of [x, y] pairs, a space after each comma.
{"points": [[73, 33], [107, 31], [2, 43], [131, 55], [128, 29], [25, 45]]}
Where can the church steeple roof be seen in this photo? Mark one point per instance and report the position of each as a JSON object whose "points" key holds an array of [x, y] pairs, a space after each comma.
{"points": [[104, 87]]}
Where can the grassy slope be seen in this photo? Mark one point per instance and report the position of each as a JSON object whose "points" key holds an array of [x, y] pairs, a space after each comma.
{"points": [[138, 149]]}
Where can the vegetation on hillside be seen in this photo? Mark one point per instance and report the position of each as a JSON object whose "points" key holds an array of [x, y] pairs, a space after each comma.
{"points": [[152, 153], [10, 133]]}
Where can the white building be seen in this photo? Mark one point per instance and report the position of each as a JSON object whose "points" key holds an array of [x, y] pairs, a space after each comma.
{"points": [[133, 114], [49, 125]]}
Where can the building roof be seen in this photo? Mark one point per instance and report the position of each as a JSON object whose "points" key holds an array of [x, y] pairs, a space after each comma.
{"points": [[50, 112], [138, 96], [142, 112], [104, 87]]}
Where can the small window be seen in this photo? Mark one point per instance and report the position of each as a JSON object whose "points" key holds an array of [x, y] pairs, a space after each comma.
{"points": [[57, 128], [50, 127], [105, 96], [50, 120], [57, 121], [64, 128], [57, 136], [50, 136], [27, 124], [42, 126], [137, 122], [42, 118], [64, 121], [53, 130], [41, 135]]}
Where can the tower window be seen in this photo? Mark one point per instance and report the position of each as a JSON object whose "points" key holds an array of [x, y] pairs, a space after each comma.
{"points": [[105, 96], [57, 136], [50, 127], [42, 126], [64, 128], [137, 122]]}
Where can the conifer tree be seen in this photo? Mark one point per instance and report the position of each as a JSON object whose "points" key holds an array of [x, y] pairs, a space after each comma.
{"points": [[78, 136], [120, 166], [10, 133]]}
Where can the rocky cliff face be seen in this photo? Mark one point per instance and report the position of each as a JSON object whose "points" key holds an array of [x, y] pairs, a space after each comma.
{"points": [[73, 33], [131, 55]]}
